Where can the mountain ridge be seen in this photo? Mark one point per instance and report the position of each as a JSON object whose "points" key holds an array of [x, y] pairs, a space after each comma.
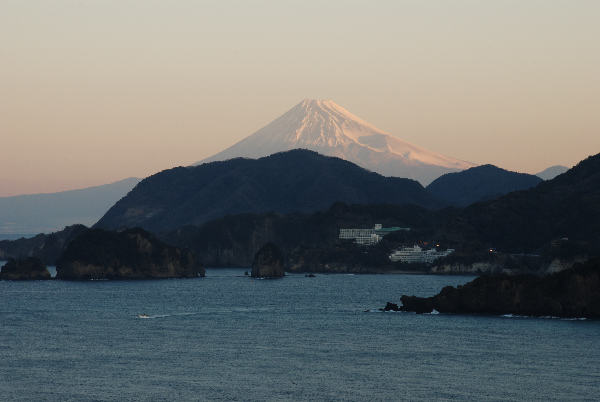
{"points": [[480, 183], [292, 181]]}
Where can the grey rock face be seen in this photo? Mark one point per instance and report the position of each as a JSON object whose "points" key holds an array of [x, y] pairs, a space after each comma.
{"points": [[268, 262]]}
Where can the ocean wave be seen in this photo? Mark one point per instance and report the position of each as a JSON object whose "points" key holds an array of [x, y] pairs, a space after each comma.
{"points": [[546, 317]]}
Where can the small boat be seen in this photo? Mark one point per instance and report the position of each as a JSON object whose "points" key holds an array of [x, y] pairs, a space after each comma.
{"points": [[143, 316]]}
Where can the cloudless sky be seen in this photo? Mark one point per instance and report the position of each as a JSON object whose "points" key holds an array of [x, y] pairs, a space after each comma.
{"points": [[92, 92]]}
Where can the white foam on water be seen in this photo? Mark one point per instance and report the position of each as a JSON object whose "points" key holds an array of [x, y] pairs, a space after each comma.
{"points": [[546, 317], [165, 315]]}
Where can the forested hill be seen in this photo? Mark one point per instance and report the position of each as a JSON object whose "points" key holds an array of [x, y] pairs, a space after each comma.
{"points": [[480, 183], [307, 241], [292, 181], [567, 206]]}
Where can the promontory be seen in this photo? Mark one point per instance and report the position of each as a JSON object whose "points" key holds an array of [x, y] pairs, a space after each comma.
{"points": [[572, 293], [130, 254]]}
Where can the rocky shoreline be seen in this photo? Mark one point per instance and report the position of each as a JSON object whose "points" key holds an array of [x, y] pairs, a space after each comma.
{"points": [[572, 293]]}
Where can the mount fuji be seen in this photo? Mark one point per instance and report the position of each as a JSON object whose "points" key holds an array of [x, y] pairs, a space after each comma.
{"points": [[329, 129]]}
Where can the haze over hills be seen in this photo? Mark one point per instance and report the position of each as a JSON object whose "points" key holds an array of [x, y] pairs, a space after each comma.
{"points": [[552, 172], [46, 213], [325, 127], [480, 183], [292, 181]]}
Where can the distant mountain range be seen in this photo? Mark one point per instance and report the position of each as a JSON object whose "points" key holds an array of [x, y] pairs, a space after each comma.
{"points": [[534, 221], [480, 183], [324, 127], [321, 126], [292, 181], [552, 172], [46, 213]]}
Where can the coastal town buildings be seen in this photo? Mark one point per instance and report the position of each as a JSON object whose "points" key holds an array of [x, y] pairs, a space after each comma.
{"points": [[417, 254]]}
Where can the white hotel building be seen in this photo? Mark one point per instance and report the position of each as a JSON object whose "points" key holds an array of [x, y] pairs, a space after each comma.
{"points": [[368, 236]]}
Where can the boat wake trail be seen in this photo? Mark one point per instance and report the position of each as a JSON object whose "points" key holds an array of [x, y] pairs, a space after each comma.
{"points": [[146, 316]]}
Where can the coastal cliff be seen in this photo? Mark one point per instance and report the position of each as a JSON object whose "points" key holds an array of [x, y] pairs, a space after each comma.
{"points": [[572, 293], [498, 267], [131, 254]]}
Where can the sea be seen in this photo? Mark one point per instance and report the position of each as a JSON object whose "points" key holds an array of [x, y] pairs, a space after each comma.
{"points": [[228, 337]]}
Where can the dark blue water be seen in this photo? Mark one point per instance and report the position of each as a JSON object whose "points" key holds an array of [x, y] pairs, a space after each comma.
{"points": [[227, 337]]}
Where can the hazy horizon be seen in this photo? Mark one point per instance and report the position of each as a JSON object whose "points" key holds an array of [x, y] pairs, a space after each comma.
{"points": [[93, 92]]}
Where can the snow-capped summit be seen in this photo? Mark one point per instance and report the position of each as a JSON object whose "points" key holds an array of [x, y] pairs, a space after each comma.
{"points": [[327, 128]]}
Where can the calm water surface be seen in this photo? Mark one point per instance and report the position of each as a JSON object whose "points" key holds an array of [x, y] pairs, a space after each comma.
{"points": [[228, 337]]}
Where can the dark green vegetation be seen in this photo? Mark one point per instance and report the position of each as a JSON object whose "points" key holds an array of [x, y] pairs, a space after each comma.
{"points": [[572, 293], [480, 183], [131, 254], [24, 269], [525, 222], [292, 181], [567, 206], [558, 220], [309, 242]]}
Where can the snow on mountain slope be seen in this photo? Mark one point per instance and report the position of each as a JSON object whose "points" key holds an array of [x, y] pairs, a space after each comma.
{"points": [[329, 129]]}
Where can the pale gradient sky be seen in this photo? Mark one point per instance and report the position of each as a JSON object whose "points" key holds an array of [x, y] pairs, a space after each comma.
{"points": [[92, 92]]}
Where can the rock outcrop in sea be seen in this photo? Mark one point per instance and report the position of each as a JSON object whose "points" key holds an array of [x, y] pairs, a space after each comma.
{"points": [[268, 262], [573, 293], [131, 254], [24, 269]]}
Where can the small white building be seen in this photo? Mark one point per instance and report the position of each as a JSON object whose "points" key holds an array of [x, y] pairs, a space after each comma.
{"points": [[417, 254]]}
